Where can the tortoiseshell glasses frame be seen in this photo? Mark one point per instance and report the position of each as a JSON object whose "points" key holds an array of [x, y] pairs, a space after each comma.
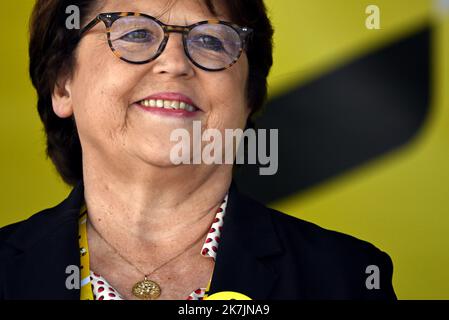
{"points": [[238, 45]]}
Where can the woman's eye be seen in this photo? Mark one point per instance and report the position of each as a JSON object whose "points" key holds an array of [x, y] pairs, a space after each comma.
{"points": [[141, 35], [209, 42]]}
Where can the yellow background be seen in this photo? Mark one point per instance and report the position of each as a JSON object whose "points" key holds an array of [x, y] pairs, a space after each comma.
{"points": [[398, 202]]}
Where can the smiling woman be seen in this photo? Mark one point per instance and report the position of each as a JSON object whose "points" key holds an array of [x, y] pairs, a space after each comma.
{"points": [[137, 225]]}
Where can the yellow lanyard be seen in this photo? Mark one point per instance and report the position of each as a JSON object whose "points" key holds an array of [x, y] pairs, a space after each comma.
{"points": [[86, 289]]}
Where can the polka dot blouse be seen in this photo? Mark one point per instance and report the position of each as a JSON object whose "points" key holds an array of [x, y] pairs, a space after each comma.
{"points": [[95, 287]]}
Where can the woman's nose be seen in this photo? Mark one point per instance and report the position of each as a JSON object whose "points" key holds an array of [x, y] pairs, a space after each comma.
{"points": [[173, 59]]}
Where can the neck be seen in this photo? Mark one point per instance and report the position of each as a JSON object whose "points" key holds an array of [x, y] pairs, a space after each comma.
{"points": [[151, 206]]}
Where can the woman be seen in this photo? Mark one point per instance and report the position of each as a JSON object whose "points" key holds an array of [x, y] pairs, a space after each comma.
{"points": [[136, 225]]}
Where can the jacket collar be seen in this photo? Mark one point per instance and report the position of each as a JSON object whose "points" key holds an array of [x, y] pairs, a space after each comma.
{"points": [[47, 244], [248, 241]]}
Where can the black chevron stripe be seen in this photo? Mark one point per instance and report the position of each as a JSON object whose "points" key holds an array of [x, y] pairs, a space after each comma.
{"points": [[358, 112]]}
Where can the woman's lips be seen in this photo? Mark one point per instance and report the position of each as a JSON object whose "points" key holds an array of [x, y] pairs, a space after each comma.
{"points": [[171, 96], [169, 104], [180, 113]]}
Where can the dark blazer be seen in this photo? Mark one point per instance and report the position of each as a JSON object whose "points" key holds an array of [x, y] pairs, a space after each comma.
{"points": [[263, 253]]}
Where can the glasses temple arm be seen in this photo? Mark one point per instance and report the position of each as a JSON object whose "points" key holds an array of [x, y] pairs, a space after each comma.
{"points": [[90, 25], [247, 35]]}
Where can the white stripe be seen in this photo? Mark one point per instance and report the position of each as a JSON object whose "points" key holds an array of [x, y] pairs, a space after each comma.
{"points": [[85, 281]]}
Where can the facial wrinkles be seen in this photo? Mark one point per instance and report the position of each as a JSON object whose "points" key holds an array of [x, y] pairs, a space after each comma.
{"points": [[140, 81]]}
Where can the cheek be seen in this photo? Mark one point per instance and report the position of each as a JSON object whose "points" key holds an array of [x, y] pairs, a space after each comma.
{"points": [[100, 92], [230, 100], [238, 80]]}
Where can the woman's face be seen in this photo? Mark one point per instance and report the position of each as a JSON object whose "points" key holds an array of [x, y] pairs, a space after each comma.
{"points": [[104, 91]]}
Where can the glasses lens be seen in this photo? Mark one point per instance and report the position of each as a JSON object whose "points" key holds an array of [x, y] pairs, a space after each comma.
{"points": [[214, 46], [136, 38]]}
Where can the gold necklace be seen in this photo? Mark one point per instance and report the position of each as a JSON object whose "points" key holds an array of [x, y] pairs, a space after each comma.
{"points": [[147, 289]]}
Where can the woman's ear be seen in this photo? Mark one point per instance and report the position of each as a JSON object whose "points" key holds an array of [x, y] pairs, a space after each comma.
{"points": [[62, 98]]}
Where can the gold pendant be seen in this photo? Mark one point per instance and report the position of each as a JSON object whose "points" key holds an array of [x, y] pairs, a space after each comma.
{"points": [[146, 290]]}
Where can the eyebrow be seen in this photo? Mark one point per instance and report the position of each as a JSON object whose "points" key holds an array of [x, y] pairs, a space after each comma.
{"points": [[167, 9]]}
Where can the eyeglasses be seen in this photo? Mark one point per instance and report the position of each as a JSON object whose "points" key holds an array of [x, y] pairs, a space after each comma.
{"points": [[137, 38]]}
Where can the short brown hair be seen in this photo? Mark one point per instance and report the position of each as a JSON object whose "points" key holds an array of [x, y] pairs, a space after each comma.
{"points": [[51, 52]]}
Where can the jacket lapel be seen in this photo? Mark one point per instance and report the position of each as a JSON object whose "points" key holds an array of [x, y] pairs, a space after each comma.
{"points": [[248, 241], [51, 239]]}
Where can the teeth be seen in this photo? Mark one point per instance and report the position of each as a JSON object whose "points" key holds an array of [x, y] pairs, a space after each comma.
{"points": [[168, 104], [175, 104], [190, 108]]}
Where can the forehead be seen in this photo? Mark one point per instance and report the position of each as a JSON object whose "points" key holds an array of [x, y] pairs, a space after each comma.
{"points": [[182, 12]]}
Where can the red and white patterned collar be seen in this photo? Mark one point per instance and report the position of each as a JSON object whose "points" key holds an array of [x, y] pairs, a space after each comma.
{"points": [[102, 290]]}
